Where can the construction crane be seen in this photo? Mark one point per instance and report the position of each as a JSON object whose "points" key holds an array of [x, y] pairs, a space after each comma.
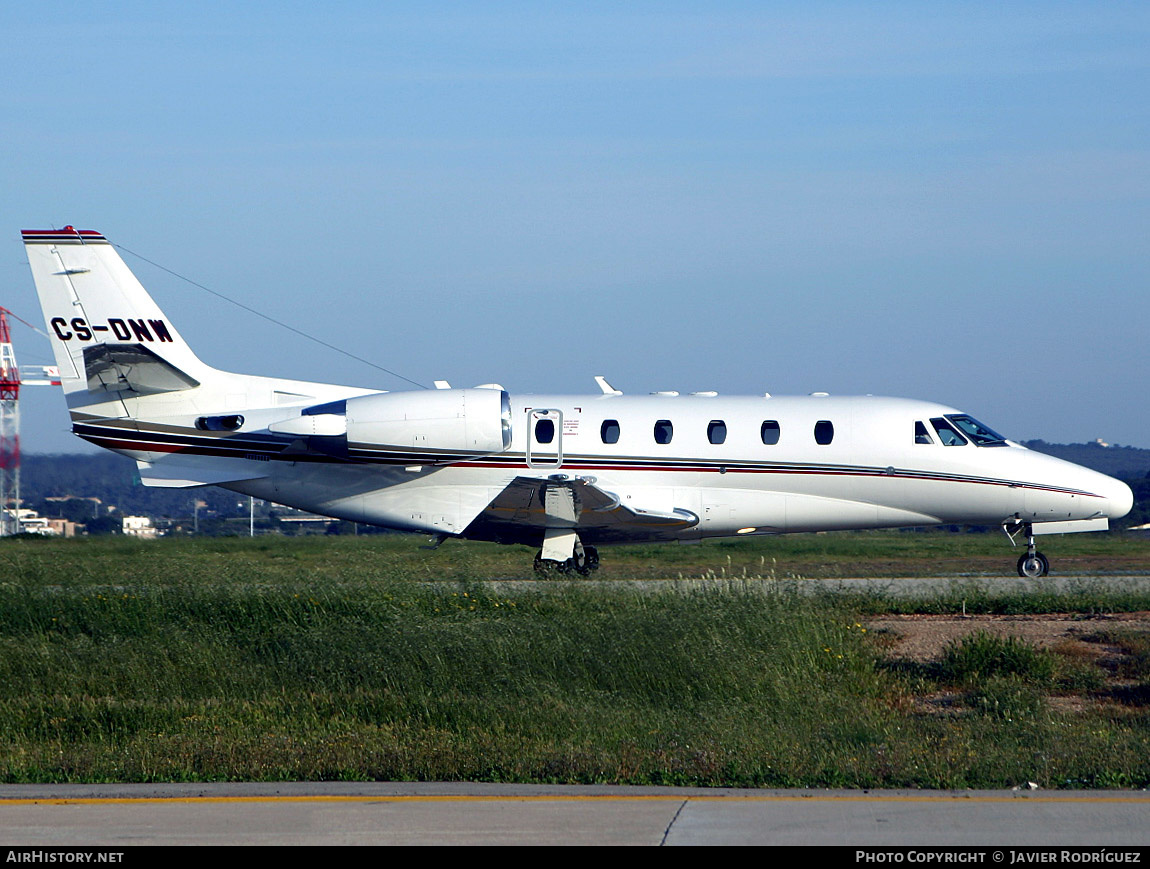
{"points": [[10, 383]]}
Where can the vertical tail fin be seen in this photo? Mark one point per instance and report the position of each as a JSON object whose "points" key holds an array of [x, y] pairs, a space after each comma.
{"points": [[107, 333]]}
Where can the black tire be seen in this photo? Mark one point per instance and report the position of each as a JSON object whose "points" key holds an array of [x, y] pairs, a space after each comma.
{"points": [[1032, 567], [545, 568], [584, 562], [592, 556]]}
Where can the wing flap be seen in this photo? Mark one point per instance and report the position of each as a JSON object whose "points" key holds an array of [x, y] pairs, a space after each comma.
{"points": [[528, 506]]}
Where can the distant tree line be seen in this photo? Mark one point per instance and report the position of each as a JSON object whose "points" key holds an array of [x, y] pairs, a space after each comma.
{"points": [[1125, 463], [98, 481]]}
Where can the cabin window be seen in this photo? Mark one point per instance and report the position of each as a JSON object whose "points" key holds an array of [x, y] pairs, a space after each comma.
{"points": [[824, 432], [770, 432], [948, 435], [609, 431], [544, 431], [716, 431], [663, 431], [921, 435], [220, 423]]}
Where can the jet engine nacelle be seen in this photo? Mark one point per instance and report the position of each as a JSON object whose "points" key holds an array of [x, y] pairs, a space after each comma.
{"points": [[475, 422], [437, 425]]}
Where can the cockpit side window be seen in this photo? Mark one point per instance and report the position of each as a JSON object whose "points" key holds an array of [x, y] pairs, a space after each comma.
{"points": [[948, 435], [982, 435], [921, 435]]}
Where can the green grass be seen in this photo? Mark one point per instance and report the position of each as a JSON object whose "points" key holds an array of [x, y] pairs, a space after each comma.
{"points": [[980, 656], [319, 659]]}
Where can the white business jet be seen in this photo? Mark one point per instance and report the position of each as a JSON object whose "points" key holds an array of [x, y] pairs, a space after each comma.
{"points": [[563, 473]]}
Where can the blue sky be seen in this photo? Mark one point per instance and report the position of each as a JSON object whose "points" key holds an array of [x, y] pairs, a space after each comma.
{"points": [[947, 201]]}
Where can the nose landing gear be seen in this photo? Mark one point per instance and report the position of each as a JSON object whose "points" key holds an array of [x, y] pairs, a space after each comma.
{"points": [[1032, 564]]}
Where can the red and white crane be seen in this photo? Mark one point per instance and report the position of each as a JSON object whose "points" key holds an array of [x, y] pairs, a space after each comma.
{"points": [[10, 383]]}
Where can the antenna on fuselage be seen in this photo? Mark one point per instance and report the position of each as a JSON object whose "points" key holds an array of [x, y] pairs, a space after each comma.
{"points": [[607, 388]]}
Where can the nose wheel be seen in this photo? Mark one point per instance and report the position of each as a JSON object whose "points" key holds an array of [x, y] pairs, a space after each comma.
{"points": [[1032, 564]]}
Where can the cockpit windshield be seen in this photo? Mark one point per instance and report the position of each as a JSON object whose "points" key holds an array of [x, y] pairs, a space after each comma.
{"points": [[978, 433], [948, 435]]}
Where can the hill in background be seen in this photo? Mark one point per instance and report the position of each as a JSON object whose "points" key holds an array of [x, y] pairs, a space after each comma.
{"points": [[1125, 463], [113, 480]]}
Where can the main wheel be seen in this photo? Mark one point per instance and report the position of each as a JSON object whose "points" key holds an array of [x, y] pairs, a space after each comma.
{"points": [[585, 561], [547, 567], [592, 557], [580, 565], [1033, 566]]}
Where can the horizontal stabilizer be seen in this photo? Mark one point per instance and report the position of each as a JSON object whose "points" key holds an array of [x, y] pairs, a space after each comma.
{"points": [[169, 474], [132, 368]]}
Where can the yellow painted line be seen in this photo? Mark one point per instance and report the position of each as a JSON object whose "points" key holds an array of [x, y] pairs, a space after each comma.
{"points": [[448, 798]]}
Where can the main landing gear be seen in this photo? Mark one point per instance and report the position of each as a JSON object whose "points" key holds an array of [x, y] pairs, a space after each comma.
{"points": [[1031, 564], [583, 561], [563, 552]]}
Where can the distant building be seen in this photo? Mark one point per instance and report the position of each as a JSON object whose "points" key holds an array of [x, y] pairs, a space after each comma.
{"points": [[65, 527], [139, 526], [31, 522]]}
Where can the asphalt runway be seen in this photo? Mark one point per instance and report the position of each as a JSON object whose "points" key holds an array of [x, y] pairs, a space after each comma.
{"points": [[897, 586], [125, 816]]}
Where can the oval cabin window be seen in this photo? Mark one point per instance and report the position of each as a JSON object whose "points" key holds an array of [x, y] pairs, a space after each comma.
{"points": [[824, 432], [544, 431]]}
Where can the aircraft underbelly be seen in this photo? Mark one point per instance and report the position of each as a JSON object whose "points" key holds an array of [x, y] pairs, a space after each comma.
{"points": [[727, 512], [945, 500], [462, 500]]}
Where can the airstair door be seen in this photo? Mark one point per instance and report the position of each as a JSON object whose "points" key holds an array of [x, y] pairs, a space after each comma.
{"points": [[545, 438]]}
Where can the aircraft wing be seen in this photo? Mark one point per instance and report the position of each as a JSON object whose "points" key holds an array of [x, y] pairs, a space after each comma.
{"points": [[528, 506]]}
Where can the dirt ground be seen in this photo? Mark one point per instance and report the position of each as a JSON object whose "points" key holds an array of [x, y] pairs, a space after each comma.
{"points": [[922, 638]]}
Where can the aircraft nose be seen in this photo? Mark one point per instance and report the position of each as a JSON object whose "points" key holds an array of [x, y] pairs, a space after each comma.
{"points": [[1119, 497]]}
